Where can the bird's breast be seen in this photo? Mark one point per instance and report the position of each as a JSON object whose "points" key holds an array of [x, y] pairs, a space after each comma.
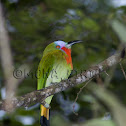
{"points": [[68, 56], [59, 72]]}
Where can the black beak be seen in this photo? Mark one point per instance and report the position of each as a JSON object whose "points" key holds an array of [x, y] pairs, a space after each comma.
{"points": [[74, 42]]}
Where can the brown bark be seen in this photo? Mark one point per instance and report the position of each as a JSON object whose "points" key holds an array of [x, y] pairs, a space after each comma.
{"points": [[41, 95]]}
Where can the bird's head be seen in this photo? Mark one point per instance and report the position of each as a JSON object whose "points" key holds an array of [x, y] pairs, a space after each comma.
{"points": [[61, 45]]}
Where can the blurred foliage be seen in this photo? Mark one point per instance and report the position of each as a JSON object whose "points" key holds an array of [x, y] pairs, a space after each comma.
{"points": [[33, 24], [120, 29]]}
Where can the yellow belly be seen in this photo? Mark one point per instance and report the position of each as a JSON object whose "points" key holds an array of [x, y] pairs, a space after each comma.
{"points": [[58, 73]]}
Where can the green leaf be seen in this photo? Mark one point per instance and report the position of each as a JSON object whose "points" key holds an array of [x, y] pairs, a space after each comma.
{"points": [[120, 29], [99, 122]]}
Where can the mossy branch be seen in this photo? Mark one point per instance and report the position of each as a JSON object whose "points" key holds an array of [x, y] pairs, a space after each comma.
{"points": [[39, 96]]}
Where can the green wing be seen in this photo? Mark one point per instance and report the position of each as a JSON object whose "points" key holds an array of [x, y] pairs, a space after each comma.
{"points": [[44, 69]]}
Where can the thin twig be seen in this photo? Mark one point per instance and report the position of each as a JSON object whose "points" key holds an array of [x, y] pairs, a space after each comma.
{"points": [[123, 70], [106, 73], [79, 94]]}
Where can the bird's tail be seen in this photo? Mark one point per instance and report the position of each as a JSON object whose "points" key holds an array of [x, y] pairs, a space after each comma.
{"points": [[44, 119]]}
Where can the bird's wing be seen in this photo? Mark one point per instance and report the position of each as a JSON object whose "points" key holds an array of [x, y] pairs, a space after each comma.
{"points": [[44, 69]]}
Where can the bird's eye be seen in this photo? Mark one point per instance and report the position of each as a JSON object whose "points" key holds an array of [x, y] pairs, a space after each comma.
{"points": [[57, 46]]}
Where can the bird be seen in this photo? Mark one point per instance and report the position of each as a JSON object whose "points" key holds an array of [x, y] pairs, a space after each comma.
{"points": [[55, 66]]}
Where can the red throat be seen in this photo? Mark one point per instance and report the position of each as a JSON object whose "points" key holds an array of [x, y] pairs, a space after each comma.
{"points": [[68, 57]]}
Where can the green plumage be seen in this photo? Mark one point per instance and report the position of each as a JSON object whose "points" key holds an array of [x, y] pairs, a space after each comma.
{"points": [[53, 68]]}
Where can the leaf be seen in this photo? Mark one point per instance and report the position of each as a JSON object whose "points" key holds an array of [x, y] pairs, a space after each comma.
{"points": [[120, 29], [99, 122], [117, 110]]}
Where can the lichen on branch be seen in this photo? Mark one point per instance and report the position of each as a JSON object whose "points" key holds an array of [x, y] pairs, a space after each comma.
{"points": [[39, 96]]}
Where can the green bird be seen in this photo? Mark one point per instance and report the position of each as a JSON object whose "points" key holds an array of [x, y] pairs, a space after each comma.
{"points": [[55, 66]]}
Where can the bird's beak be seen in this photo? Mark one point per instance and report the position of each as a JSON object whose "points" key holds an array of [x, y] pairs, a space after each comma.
{"points": [[73, 42]]}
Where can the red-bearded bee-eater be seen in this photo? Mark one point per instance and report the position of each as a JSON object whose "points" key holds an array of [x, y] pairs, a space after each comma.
{"points": [[55, 66]]}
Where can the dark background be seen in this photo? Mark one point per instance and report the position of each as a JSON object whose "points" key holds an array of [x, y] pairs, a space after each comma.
{"points": [[33, 24]]}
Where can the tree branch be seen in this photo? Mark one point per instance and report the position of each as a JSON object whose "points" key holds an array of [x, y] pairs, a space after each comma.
{"points": [[5, 55], [11, 83], [41, 95]]}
